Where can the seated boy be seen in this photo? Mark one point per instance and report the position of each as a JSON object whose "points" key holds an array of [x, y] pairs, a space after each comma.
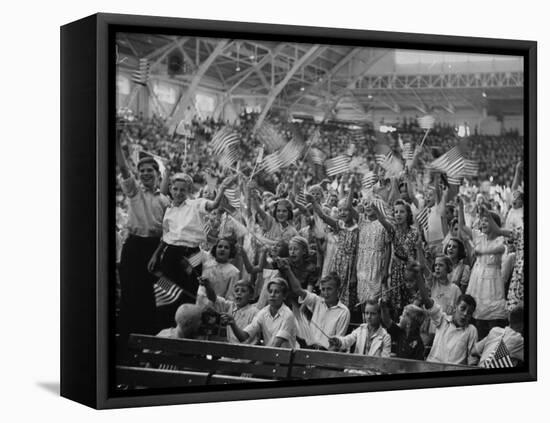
{"points": [[188, 321], [405, 335], [275, 322], [370, 338], [329, 317], [455, 337], [242, 311], [511, 336]]}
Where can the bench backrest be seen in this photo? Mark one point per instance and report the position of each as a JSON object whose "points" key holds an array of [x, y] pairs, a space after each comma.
{"points": [[181, 362]]}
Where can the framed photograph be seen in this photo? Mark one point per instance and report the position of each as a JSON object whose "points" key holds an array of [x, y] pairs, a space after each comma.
{"points": [[267, 211]]}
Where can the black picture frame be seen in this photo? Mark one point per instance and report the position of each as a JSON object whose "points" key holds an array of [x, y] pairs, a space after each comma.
{"points": [[87, 167]]}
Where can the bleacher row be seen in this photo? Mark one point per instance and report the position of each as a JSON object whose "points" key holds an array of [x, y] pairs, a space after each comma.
{"points": [[168, 363]]}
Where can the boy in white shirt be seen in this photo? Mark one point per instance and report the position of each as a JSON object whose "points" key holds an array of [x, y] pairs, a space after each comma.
{"points": [[275, 322], [329, 316], [455, 337]]}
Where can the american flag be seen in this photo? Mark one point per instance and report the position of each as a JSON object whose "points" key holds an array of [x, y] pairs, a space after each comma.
{"points": [[455, 165], [426, 122], [291, 152], [317, 156], [301, 198], [166, 292], [422, 218], [272, 163], [337, 165], [384, 208], [389, 163], [408, 153], [454, 180], [229, 156], [368, 181], [272, 139], [223, 139], [499, 358], [141, 74], [195, 260], [233, 196]]}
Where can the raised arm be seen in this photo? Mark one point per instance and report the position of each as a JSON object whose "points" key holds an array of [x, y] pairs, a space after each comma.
{"points": [[517, 178], [250, 268], [286, 271], [256, 205], [210, 293], [382, 219], [121, 158], [353, 187], [411, 193], [394, 190], [165, 184], [421, 285], [317, 209], [212, 205], [461, 224]]}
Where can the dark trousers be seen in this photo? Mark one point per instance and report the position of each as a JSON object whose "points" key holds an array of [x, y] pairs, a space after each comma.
{"points": [[137, 297], [175, 268]]}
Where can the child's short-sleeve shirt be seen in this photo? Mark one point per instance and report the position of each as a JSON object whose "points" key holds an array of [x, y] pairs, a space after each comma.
{"points": [[282, 325]]}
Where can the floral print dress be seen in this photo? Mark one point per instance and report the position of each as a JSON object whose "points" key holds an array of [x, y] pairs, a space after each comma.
{"points": [[404, 248], [344, 263], [373, 245]]}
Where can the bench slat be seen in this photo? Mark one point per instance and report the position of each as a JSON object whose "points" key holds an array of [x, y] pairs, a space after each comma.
{"points": [[226, 380], [357, 361], [263, 370], [155, 378], [221, 349], [317, 372]]}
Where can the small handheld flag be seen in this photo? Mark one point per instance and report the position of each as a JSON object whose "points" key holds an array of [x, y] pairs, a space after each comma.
{"points": [[422, 218], [368, 181], [337, 165], [272, 139], [426, 122], [166, 292], [499, 358]]}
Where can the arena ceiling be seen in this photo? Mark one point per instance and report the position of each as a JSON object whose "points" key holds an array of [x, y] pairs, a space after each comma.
{"points": [[320, 80]]}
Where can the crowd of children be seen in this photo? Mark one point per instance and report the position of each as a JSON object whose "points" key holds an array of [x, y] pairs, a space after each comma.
{"points": [[411, 267]]}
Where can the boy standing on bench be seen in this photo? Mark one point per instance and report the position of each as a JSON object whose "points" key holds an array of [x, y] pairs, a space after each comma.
{"points": [[275, 322]]}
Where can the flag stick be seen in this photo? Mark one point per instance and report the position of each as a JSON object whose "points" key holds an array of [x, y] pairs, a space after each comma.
{"points": [[424, 139], [320, 330]]}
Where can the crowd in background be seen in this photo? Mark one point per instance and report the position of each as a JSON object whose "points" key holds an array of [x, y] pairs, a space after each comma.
{"points": [[412, 267]]}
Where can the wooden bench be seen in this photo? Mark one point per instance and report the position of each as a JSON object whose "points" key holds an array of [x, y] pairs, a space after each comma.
{"points": [[163, 362]]}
